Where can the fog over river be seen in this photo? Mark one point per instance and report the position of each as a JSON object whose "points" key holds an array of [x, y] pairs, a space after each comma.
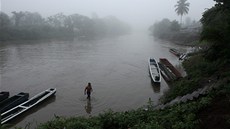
{"points": [[116, 67]]}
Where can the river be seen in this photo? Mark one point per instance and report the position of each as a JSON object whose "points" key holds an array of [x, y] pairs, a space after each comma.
{"points": [[116, 67]]}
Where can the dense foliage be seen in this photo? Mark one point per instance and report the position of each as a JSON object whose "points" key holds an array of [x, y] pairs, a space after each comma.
{"points": [[199, 72], [216, 30], [164, 27], [174, 32], [27, 25]]}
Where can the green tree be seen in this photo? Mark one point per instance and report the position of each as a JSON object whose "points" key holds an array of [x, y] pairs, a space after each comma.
{"points": [[162, 28], [82, 26], [4, 20], [175, 26], [182, 8], [216, 30], [17, 17], [226, 3], [57, 20], [31, 19]]}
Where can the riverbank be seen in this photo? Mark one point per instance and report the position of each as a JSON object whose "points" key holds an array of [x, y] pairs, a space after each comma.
{"points": [[202, 72], [196, 113], [182, 38]]}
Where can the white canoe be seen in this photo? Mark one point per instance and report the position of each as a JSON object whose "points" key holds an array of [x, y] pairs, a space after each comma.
{"points": [[154, 70]]}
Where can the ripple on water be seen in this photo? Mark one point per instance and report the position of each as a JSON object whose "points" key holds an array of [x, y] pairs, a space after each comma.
{"points": [[117, 68], [96, 104]]}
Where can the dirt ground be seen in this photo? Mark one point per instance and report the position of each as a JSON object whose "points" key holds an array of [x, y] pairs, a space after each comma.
{"points": [[217, 115]]}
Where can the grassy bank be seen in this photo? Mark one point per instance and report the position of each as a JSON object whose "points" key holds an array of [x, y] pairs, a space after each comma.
{"points": [[178, 117], [199, 74]]}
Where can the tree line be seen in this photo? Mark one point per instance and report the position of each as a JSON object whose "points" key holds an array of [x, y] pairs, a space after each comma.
{"points": [[164, 27], [31, 25], [174, 31]]}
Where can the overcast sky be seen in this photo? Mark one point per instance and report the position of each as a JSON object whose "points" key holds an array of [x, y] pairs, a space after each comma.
{"points": [[136, 12]]}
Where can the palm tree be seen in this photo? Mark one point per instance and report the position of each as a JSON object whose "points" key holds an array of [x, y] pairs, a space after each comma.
{"points": [[182, 8]]}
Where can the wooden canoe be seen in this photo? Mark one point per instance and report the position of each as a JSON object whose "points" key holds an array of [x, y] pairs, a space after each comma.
{"points": [[16, 111]]}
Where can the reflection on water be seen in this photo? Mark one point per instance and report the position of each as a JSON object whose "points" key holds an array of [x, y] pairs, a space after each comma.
{"points": [[156, 87], [117, 68], [88, 107]]}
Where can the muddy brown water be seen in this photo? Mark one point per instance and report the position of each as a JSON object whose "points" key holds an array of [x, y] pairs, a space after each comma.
{"points": [[116, 67]]}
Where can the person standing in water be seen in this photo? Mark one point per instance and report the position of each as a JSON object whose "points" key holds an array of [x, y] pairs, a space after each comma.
{"points": [[88, 90]]}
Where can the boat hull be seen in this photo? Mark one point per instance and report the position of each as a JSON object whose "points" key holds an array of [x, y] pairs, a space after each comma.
{"points": [[154, 70], [13, 101], [16, 111], [4, 95], [175, 52]]}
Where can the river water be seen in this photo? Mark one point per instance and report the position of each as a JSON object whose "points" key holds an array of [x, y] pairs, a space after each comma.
{"points": [[116, 67]]}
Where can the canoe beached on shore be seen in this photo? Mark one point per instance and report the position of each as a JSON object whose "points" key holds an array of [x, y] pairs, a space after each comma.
{"points": [[175, 52], [4, 95], [13, 101], [16, 111], [171, 72]]}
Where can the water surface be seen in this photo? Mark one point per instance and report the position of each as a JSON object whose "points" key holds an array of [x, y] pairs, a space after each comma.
{"points": [[116, 67]]}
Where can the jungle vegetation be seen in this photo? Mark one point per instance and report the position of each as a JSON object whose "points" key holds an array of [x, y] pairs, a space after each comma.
{"points": [[173, 31], [32, 26]]}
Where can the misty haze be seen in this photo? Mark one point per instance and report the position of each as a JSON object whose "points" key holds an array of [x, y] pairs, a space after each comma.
{"points": [[66, 44]]}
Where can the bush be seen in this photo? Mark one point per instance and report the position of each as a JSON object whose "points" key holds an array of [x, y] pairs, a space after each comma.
{"points": [[180, 116], [197, 66], [180, 88]]}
